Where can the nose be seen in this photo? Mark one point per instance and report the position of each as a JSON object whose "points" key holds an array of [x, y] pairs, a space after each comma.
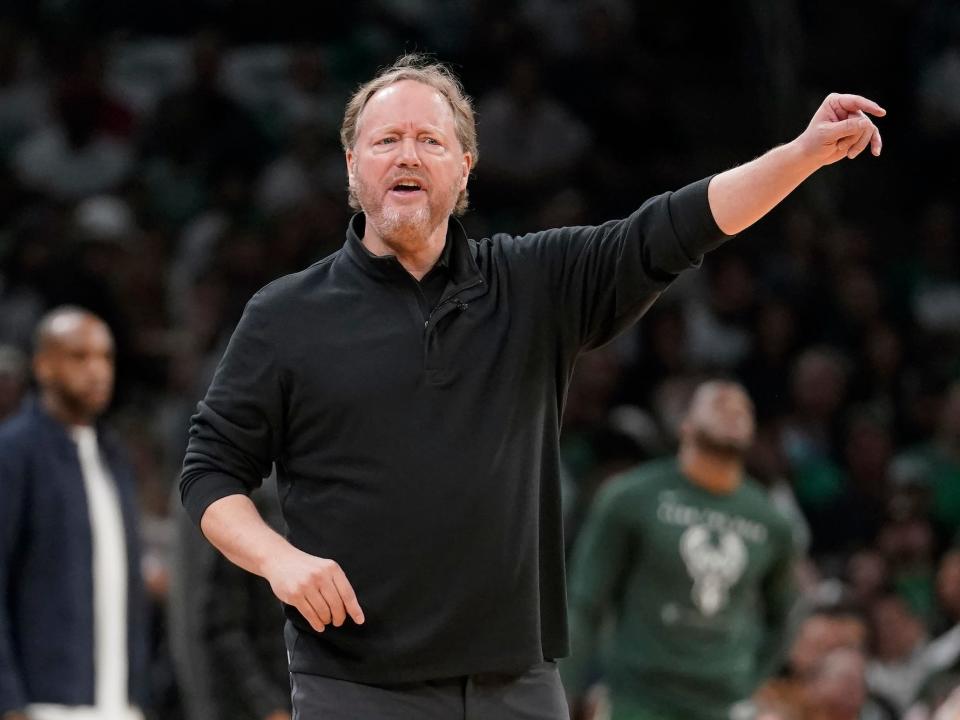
{"points": [[408, 157]]}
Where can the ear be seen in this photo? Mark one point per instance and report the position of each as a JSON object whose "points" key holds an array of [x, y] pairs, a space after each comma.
{"points": [[349, 157], [467, 167]]}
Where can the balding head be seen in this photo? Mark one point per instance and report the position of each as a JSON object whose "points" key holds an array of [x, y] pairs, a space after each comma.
{"points": [[74, 364], [58, 324], [720, 419]]}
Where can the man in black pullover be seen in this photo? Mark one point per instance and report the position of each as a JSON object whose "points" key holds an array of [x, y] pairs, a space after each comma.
{"points": [[409, 389]]}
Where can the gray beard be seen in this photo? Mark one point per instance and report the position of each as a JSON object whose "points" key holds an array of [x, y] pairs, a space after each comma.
{"points": [[396, 227]]}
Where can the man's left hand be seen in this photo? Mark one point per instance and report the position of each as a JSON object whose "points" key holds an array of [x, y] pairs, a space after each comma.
{"points": [[841, 128]]}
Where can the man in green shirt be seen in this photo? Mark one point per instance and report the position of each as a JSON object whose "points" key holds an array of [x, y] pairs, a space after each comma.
{"points": [[694, 565]]}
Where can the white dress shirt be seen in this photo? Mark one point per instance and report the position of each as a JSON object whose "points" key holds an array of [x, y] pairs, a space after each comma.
{"points": [[109, 594]]}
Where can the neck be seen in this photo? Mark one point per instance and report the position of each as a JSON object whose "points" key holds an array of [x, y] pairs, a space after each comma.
{"points": [[416, 254], [62, 412], [719, 474]]}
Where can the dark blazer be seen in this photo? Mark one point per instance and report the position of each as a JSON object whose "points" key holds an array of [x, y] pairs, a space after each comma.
{"points": [[46, 565]]}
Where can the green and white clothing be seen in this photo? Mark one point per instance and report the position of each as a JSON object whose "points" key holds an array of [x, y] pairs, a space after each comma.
{"points": [[699, 585]]}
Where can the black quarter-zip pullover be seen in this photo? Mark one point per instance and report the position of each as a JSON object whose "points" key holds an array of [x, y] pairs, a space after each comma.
{"points": [[423, 454]]}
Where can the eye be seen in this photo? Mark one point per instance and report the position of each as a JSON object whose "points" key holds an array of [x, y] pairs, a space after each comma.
{"points": [[387, 140]]}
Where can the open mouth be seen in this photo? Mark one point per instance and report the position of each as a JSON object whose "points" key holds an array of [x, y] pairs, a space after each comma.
{"points": [[407, 187]]}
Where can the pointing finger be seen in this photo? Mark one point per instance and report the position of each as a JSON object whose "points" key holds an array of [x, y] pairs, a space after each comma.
{"points": [[858, 103]]}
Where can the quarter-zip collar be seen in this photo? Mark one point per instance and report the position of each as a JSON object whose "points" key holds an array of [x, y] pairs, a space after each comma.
{"points": [[456, 255]]}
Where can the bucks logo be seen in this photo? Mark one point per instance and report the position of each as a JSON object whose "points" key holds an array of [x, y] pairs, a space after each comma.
{"points": [[715, 567]]}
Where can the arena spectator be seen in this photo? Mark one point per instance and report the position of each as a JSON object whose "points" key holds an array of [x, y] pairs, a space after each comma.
{"points": [[200, 125], [810, 685], [86, 147], [836, 690], [532, 144], [24, 104], [903, 657], [720, 325]]}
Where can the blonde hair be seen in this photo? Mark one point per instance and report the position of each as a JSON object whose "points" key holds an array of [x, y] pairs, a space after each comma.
{"points": [[420, 68]]}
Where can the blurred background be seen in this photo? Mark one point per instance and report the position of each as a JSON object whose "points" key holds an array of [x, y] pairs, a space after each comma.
{"points": [[161, 161]]}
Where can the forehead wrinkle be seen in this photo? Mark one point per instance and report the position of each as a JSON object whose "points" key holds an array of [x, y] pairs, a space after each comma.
{"points": [[394, 126], [386, 93]]}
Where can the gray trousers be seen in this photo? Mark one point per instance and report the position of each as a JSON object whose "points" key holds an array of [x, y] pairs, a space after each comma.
{"points": [[536, 694]]}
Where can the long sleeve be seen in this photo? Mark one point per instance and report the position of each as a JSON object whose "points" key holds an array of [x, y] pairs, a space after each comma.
{"points": [[236, 433], [780, 600], [599, 561], [602, 279], [12, 489]]}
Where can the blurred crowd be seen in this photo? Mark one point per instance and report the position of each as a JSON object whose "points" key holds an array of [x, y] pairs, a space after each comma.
{"points": [[160, 176]]}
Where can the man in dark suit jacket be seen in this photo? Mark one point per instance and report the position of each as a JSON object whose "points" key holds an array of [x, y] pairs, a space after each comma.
{"points": [[72, 630]]}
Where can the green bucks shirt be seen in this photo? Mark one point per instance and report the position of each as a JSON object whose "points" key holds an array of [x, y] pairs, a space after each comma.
{"points": [[699, 585]]}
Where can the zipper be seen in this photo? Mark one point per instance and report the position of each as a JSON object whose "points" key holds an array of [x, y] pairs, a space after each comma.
{"points": [[461, 306], [438, 313]]}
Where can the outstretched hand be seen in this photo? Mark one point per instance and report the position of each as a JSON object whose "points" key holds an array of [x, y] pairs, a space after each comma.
{"points": [[841, 128]]}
